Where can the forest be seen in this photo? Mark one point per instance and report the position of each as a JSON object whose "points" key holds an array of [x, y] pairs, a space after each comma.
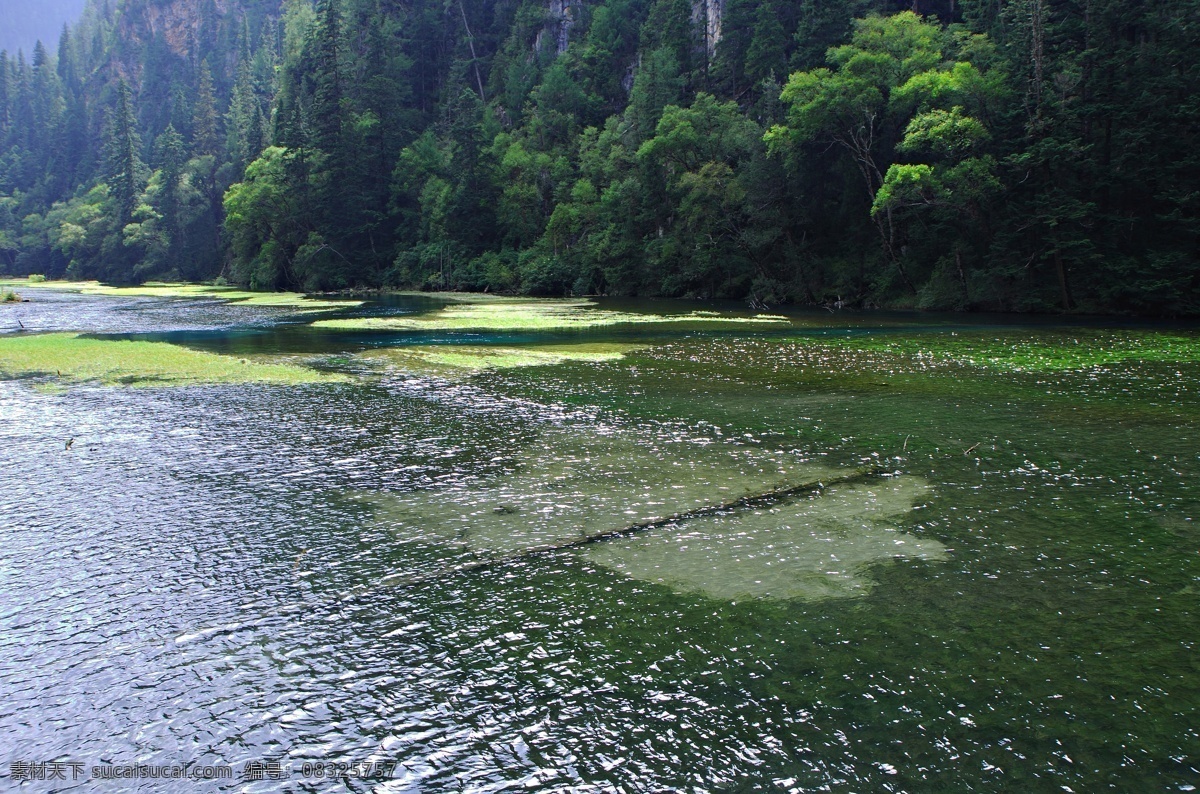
{"points": [[988, 155]]}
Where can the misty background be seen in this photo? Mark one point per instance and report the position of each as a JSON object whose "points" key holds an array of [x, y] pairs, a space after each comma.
{"points": [[23, 22]]}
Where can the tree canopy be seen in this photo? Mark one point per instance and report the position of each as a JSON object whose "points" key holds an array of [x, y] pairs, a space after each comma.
{"points": [[1019, 155]]}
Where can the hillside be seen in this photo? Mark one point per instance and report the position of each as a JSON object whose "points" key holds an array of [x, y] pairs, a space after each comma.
{"points": [[1019, 155]]}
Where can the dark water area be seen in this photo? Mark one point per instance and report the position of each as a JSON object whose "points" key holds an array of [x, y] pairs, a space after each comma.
{"points": [[207, 575]]}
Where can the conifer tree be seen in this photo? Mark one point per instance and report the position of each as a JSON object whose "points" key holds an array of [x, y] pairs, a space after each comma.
{"points": [[327, 78], [124, 166], [244, 143], [5, 95], [204, 115], [171, 157]]}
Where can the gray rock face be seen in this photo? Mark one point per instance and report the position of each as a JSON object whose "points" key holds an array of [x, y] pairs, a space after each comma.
{"points": [[561, 18], [706, 16]]}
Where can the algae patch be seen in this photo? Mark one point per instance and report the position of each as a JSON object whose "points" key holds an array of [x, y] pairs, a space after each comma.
{"points": [[74, 358], [571, 485], [809, 549], [151, 289], [451, 360], [526, 314]]}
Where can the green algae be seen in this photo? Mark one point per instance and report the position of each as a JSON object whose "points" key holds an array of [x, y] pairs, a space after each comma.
{"points": [[452, 360], [152, 289], [530, 314], [73, 358]]}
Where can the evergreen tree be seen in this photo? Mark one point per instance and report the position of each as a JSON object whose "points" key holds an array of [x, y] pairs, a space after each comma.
{"points": [[326, 47], [172, 156], [243, 125], [124, 166], [5, 95], [204, 115]]}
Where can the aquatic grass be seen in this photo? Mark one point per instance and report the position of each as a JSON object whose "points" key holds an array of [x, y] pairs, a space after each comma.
{"points": [[463, 297], [471, 359], [531, 314], [153, 289], [1084, 349], [74, 358]]}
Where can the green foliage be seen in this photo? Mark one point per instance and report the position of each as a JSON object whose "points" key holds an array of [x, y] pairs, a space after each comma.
{"points": [[262, 217], [894, 74], [1025, 155]]}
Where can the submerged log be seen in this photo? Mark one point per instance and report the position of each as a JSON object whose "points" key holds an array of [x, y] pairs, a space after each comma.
{"points": [[754, 500]]}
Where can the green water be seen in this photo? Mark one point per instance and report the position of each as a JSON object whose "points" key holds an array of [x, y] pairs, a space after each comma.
{"points": [[1012, 607], [1056, 646]]}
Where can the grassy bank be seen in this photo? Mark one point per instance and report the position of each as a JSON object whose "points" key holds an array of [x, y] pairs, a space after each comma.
{"points": [[77, 359], [287, 300]]}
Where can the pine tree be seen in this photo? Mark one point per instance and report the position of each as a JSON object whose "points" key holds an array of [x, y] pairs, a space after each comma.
{"points": [[327, 67], [68, 65], [47, 103], [172, 156], [124, 166], [5, 95], [180, 116], [204, 115], [767, 54], [243, 143], [27, 166]]}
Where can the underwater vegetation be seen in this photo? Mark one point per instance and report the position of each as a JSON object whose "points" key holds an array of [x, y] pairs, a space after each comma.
{"points": [[1072, 350]]}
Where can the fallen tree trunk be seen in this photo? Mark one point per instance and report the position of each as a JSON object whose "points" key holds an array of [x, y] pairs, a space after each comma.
{"points": [[767, 497]]}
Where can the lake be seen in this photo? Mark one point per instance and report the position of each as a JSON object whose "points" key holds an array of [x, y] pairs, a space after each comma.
{"points": [[843, 552]]}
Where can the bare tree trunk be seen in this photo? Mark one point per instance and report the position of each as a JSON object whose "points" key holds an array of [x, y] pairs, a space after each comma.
{"points": [[1037, 47], [962, 275], [860, 146], [471, 44], [1063, 285]]}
